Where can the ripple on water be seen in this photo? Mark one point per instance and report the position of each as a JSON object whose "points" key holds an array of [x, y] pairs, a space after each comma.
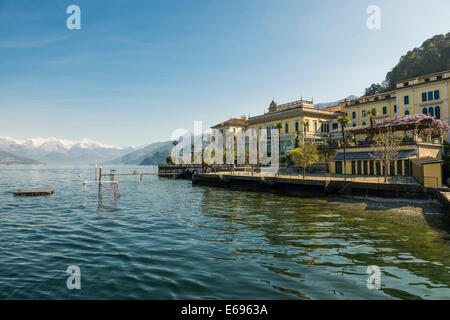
{"points": [[164, 239]]}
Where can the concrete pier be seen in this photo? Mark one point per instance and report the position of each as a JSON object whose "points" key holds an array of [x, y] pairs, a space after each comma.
{"points": [[313, 187]]}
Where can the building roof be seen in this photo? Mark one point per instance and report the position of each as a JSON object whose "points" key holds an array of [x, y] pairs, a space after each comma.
{"points": [[423, 76], [425, 160], [232, 122], [365, 155], [333, 109]]}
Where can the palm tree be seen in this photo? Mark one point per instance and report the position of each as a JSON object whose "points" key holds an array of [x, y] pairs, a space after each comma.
{"points": [[305, 125], [297, 139], [344, 120], [371, 113], [279, 126]]}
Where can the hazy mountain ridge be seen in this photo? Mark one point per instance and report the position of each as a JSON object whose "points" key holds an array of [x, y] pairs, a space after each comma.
{"points": [[156, 158], [138, 156], [60, 151], [334, 103], [7, 158]]}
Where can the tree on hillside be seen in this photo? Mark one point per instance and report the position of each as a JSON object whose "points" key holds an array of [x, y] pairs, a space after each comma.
{"points": [[373, 89], [433, 56], [304, 156]]}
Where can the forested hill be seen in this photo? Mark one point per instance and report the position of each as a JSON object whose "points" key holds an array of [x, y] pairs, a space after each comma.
{"points": [[433, 56]]}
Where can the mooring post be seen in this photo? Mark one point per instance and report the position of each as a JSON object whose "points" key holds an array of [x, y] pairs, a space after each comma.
{"points": [[100, 182], [140, 177]]}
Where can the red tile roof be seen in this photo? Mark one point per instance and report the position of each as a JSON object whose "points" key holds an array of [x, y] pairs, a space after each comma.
{"points": [[232, 122], [332, 109]]}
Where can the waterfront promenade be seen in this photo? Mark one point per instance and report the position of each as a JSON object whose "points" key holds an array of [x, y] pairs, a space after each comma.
{"points": [[323, 177]]}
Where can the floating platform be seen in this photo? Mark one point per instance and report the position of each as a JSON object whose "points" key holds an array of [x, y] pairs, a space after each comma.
{"points": [[33, 193]]}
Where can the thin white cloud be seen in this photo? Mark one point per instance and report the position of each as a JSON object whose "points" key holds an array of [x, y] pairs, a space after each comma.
{"points": [[30, 43]]}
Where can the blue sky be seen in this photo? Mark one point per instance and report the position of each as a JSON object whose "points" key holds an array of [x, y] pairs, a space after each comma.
{"points": [[137, 70]]}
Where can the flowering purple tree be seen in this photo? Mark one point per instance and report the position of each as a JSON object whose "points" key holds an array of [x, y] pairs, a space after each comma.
{"points": [[421, 122]]}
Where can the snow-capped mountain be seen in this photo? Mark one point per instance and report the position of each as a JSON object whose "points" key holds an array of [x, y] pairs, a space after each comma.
{"points": [[60, 151]]}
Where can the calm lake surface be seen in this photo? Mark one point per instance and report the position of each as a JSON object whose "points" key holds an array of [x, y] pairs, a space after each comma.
{"points": [[164, 239]]}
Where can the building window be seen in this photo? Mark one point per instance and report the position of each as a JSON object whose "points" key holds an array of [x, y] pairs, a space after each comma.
{"points": [[354, 124], [406, 100], [335, 126], [405, 84], [353, 114], [384, 110], [388, 96], [363, 123], [395, 108], [286, 127], [363, 113], [315, 126], [427, 79], [376, 99], [399, 168], [430, 95], [424, 111], [436, 94], [437, 112], [424, 96], [431, 111], [439, 77], [296, 126], [406, 112]]}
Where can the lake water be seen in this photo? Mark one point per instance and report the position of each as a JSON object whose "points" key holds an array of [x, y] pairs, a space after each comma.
{"points": [[165, 239]]}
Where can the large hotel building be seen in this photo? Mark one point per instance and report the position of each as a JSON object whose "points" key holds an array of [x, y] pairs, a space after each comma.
{"points": [[426, 94]]}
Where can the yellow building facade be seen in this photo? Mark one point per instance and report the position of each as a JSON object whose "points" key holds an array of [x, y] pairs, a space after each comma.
{"points": [[297, 118], [427, 94], [418, 157]]}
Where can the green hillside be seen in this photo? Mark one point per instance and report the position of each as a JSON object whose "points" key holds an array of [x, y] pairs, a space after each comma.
{"points": [[433, 56]]}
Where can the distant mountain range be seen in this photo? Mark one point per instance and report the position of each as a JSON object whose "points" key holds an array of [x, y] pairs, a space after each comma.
{"points": [[86, 151], [334, 103], [138, 156], [7, 158], [59, 151], [156, 158]]}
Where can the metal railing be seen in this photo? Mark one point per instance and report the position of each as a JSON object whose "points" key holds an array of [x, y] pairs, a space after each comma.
{"points": [[325, 177]]}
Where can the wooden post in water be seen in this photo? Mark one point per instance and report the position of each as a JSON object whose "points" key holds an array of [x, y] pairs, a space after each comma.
{"points": [[95, 172], [100, 182]]}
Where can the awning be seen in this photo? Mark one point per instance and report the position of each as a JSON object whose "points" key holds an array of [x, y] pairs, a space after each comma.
{"points": [[365, 155]]}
